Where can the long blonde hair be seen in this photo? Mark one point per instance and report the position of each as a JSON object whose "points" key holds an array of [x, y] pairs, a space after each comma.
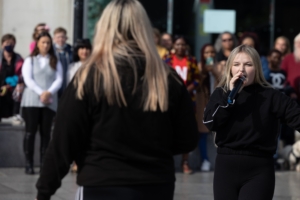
{"points": [[122, 32], [250, 51]]}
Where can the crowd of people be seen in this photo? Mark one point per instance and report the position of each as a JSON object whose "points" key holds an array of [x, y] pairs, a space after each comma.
{"points": [[22, 92], [280, 69], [31, 88], [113, 100]]}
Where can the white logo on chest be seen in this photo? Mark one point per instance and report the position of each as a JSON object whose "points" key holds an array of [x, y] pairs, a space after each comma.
{"points": [[277, 80], [182, 72]]}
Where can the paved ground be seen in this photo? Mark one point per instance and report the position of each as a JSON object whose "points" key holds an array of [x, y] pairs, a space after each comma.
{"points": [[15, 185]]}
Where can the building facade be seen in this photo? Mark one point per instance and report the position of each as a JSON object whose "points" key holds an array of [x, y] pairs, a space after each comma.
{"points": [[19, 17]]}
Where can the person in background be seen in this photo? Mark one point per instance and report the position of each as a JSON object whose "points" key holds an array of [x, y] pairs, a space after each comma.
{"points": [[186, 66], [10, 78], [42, 74], [123, 116], [224, 45], [209, 77], [247, 128], [64, 53], [278, 81], [82, 50], [162, 51], [166, 41], [39, 28], [291, 65], [250, 39], [283, 45], [277, 75]]}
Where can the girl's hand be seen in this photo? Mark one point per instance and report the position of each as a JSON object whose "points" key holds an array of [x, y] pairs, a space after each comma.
{"points": [[209, 68], [45, 97], [235, 78]]}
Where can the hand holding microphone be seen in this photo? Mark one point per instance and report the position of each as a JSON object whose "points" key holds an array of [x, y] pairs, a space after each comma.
{"points": [[236, 85]]}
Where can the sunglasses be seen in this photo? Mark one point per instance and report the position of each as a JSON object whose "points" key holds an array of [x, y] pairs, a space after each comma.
{"points": [[227, 40]]}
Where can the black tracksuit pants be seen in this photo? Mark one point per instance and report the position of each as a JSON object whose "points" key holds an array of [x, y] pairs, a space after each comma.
{"points": [[141, 192], [241, 177]]}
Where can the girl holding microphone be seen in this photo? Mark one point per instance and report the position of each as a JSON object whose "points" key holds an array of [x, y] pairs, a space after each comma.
{"points": [[247, 129]]}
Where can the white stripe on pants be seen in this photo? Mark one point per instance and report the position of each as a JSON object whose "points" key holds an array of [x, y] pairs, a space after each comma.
{"points": [[79, 193]]}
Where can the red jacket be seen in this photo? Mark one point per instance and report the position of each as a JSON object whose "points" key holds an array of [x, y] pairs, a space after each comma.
{"points": [[292, 69]]}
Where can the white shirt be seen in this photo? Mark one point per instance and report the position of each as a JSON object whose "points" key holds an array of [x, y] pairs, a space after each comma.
{"points": [[72, 70], [43, 62]]}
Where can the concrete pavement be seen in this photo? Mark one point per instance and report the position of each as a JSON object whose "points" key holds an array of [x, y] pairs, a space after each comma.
{"points": [[15, 185]]}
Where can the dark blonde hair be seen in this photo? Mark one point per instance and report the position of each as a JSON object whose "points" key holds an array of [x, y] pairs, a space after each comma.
{"points": [[60, 30], [252, 53]]}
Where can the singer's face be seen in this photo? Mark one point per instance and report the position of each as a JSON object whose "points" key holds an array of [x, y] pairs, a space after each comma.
{"points": [[243, 63]]}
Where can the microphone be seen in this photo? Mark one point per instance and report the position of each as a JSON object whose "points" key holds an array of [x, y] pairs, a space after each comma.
{"points": [[237, 86]]}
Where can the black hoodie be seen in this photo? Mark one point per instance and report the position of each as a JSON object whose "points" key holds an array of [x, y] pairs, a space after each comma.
{"points": [[251, 125], [117, 146]]}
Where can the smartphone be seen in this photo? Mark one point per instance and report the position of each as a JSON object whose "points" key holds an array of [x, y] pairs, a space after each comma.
{"points": [[209, 61]]}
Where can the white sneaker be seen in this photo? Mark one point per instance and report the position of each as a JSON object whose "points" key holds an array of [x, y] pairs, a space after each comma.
{"points": [[205, 166], [16, 120]]}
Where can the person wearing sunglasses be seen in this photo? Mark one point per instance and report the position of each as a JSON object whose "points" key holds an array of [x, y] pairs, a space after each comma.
{"points": [[225, 43]]}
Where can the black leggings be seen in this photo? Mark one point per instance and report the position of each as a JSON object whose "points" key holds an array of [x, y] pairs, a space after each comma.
{"points": [[37, 118], [240, 177], [149, 192]]}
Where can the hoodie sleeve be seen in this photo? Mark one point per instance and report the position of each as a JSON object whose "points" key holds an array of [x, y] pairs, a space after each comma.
{"points": [[286, 109], [69, 138], [217, 111], [185, 131]]}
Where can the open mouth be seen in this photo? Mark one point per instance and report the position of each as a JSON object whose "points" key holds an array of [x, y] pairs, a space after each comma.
{"points": [[243, 77]]}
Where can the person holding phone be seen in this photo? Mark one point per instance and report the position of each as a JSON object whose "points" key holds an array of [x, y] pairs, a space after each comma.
{"points": [[209, 77], [247, 129], [42, 74]]}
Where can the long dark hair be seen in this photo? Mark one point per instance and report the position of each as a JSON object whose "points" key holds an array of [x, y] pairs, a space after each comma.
{"points": [[36, 51], [203, 60], [204, 73], [81, 43]]}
